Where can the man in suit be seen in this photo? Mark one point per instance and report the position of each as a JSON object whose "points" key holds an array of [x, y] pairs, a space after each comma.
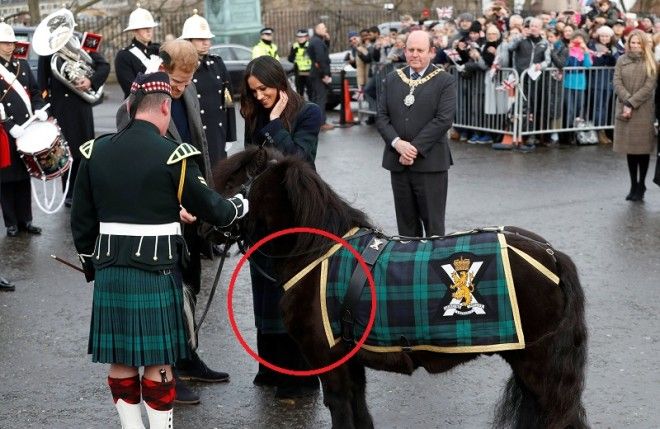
{"points": [[415, 110], [320, 75], [179, 61]]}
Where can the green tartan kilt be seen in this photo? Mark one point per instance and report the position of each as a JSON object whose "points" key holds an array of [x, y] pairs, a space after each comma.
{"points": [[137, 318]]}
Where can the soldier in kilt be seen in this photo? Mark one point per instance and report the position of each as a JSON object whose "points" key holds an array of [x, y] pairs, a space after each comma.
{"points": [[125, 224]]}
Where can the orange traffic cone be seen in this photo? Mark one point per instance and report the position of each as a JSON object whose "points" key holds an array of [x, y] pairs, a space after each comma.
{"points": [[348, 112]]}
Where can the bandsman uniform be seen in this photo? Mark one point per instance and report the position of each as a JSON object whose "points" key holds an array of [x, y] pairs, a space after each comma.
{"points": [[19, 97], [125, 225], [301, 62], [136, 57], [73, 113], [265, 45], [214, 91]]}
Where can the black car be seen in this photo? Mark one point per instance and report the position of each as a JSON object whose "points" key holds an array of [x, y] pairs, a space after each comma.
{"points": [[236, 58]]}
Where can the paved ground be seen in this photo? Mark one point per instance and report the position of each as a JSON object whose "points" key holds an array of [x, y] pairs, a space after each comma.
{"points": [[572, 196]]}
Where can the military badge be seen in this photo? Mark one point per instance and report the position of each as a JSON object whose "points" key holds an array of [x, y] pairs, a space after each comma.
{"points": [[463, 271]]}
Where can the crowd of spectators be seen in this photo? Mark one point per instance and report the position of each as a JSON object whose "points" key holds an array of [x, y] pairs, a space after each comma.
{"points": [[498, 39]]}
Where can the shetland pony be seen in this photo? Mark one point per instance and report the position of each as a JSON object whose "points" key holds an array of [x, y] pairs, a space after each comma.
{"points": [[547, 380]]}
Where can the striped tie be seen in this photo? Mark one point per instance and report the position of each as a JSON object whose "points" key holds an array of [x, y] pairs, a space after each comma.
{"points": [[414, 75]]}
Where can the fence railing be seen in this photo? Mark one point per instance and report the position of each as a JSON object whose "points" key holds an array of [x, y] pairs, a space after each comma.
{"points": [[504, 102]]}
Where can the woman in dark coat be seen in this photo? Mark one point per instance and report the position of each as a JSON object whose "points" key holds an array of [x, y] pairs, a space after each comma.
{"points": [[276, 116], [634, 84]]}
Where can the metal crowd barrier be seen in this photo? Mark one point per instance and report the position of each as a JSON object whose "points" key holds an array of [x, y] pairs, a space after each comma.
{"points": [[503, 102]]}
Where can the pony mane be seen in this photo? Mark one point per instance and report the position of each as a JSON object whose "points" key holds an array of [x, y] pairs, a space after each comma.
{"points": [[315, 204]]}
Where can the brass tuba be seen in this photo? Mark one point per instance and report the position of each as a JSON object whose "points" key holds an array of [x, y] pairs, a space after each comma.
{"points": [[69, 63]]}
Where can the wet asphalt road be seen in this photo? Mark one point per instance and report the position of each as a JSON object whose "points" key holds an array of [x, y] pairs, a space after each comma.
{"points": [[573, 196]]}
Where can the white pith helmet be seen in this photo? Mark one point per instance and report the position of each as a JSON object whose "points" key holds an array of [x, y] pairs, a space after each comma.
{"points": [[140, 18], [6, 32], [196, 27]]}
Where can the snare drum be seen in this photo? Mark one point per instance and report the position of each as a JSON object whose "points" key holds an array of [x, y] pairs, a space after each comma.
{"points": [[44, 151]]}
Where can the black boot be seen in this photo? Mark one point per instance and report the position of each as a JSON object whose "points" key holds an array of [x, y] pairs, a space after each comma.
{"points": [[292, 386], [267, 350], [639, 193], [631, 194], [183, 394], [194, 369]]}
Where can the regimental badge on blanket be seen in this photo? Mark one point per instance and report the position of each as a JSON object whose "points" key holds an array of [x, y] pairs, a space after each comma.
{"points": [[463, 271]]}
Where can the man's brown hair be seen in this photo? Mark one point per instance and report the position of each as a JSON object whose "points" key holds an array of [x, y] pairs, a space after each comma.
{"points": [[180, 55]]}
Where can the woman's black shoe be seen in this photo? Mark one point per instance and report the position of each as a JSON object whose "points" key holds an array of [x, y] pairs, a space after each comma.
{"points": [[6, 285], [31, 229]]}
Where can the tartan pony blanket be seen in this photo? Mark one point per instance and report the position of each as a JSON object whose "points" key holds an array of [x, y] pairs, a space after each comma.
{"points": [[451, 294]]}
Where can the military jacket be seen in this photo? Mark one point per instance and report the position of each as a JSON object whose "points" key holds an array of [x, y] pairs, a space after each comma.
{"points": [[127, 65], [214, 91], [17, 112], [134, 177]]}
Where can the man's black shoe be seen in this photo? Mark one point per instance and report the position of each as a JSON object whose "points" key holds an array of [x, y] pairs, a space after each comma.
{"points": [[30, 229], [12, 231], [194, 369], [67, 202], [6, 285], [183, 394]]}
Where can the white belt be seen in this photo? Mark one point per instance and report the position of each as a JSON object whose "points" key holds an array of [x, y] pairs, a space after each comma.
{"points": [[140, 230]]}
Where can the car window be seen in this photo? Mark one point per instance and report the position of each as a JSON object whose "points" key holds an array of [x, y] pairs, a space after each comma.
{"points": [[242, 54], [224, 52]]}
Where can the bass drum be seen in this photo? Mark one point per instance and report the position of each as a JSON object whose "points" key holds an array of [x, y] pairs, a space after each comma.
{"points": [[44, 151]]}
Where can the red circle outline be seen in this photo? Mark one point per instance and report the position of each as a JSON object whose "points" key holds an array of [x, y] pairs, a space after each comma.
{"points": [[299, 230]]}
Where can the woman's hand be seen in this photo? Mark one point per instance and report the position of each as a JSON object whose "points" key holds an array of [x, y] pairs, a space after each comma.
{"points": [[279, 106]]}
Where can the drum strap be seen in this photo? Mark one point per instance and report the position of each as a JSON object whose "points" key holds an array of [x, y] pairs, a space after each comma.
{"points": [[15, 84], [182, 179]]}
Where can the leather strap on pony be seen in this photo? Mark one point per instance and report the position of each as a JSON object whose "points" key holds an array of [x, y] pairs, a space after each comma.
{"points": [[355, 286]]}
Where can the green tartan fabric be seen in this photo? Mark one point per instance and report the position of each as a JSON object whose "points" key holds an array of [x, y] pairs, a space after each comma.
{"points": [[137, 318], [414, 296]]}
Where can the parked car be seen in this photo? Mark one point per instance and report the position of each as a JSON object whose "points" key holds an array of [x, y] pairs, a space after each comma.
{"points": [[337, 64], [236, 58]]}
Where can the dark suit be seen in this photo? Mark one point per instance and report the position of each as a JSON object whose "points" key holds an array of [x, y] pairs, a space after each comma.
{"points": [[420, 190], [318, 53]]}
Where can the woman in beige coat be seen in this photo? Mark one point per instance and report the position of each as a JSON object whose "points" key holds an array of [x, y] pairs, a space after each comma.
{"points": [[634, 83]]}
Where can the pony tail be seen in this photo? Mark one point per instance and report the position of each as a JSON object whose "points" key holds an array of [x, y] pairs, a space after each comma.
{"points": [[568, 352], [566, 357]]}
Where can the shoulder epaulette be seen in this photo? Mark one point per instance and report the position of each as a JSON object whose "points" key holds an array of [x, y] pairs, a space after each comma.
{"points": [[184, 150], [86, 148]]}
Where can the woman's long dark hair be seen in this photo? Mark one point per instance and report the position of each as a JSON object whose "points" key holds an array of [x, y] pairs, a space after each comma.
{"points": [[269, 71]]}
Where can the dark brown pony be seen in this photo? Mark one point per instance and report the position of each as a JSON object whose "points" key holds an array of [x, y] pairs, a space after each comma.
{"points": [[545, 388]]}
